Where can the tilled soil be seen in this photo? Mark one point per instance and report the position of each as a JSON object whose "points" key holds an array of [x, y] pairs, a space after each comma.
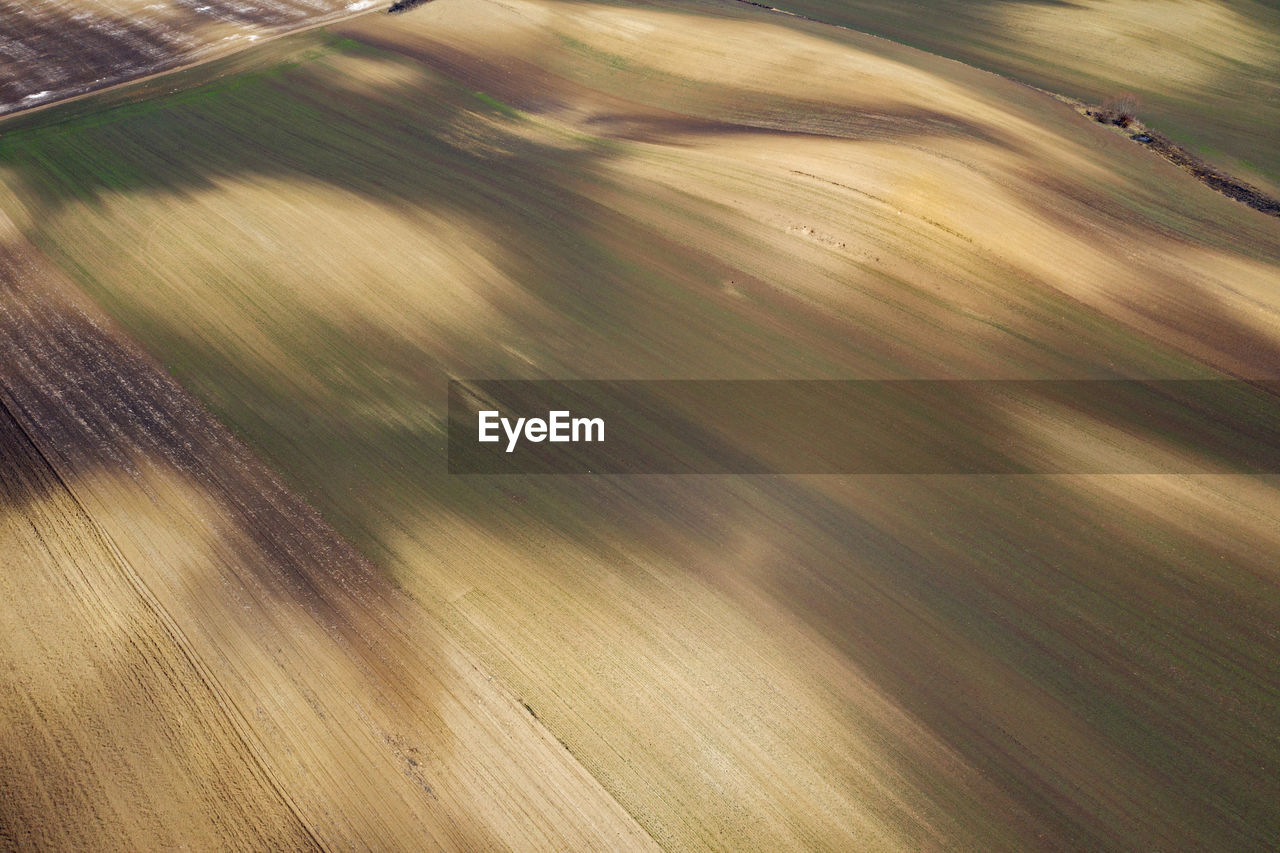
{"points": [[193, 657], [53, 49]]}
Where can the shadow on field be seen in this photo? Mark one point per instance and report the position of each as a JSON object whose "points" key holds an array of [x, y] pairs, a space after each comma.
{"points": [[249, 583], [1072, 648]]}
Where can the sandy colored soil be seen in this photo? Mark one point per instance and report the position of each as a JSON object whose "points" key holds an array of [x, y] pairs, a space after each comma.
{"points": [[312, 246], [194, 658], [106, 713]]}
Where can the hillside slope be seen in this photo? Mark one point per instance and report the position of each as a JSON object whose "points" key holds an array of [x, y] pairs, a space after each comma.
{"points": [[313, 244], [1203, 71]]}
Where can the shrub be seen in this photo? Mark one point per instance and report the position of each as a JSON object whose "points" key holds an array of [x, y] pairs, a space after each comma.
{"points": [[1120, 111]]}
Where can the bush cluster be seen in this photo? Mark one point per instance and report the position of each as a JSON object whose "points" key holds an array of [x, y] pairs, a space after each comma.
{"points": [[1120, 111]]}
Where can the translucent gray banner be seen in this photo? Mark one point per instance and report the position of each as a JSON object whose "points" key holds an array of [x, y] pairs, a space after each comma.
{"points": [[864, 427]]}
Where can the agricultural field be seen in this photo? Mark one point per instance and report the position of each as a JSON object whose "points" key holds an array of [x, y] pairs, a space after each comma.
{"points": [[252, 602], [194, 657], [1202, 71], [54, 49]]}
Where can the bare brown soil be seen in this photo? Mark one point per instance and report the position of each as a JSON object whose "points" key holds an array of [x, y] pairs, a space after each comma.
{"points": [[55, 49], [143, 741]]}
